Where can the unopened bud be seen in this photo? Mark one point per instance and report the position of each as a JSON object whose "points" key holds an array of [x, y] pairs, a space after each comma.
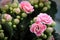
{"points": [[18, 17], [11, 8], [31, 21], [45, 9], [33, 1], [0, 26], [34, 19], [7, 17], [53, 24], [14, 26], [1, 35], [1, 31], [48, 6], [3, 20], [44, 36], [50, 29], [51, 38], [41, 4], [10, 23], [47, 3], [5, 38], [36, 6], [16, 10], [14, 5], [24, 15], [16, 21]]}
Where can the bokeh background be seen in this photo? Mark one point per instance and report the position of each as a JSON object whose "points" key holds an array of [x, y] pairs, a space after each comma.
{"points": [[57, 17]]}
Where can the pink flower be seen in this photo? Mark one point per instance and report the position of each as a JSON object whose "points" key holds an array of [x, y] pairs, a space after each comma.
{"points": [[44, 18], [38, 28], [7, 17], [26, 6]]}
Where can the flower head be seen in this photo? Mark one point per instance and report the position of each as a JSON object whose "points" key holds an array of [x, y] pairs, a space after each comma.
{"points": [[38, 28], [44, 18], [26, 6]]}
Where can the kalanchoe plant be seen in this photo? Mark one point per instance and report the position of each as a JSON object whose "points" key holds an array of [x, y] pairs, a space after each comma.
{"points": [[27, 20], [40, 28]]}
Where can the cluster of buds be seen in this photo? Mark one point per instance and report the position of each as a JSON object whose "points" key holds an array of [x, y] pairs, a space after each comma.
{"points": [[42, 26], [44, 5], [13, 13], [2, 37]]}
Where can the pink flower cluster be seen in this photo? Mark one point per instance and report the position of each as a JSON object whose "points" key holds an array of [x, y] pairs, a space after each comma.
{"points": [[39, 26], [44, 18], [26, 6]]}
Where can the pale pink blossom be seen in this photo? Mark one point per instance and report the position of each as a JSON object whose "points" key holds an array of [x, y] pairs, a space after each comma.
{"points": [[44, 18], [26, 6], [38, 28], [7, 17]]}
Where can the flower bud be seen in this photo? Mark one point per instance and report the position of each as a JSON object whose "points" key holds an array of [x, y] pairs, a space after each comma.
{"points": [[1, 35], [11, 8], [53, 24], [10, 23], [16, 21], [44, 35], [34, 1], [34, 19], [21, 18], [36, 6], [1, 31], [16, 10], [3, 20], [31, 21], [18, 17], [45, 9], [14, 26], [7, 17], [24, 15], [14, 5], [48, 6], [51, 38], [41, 4], [0, 26], [50, 29], [5, 38], [47, 3]]}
